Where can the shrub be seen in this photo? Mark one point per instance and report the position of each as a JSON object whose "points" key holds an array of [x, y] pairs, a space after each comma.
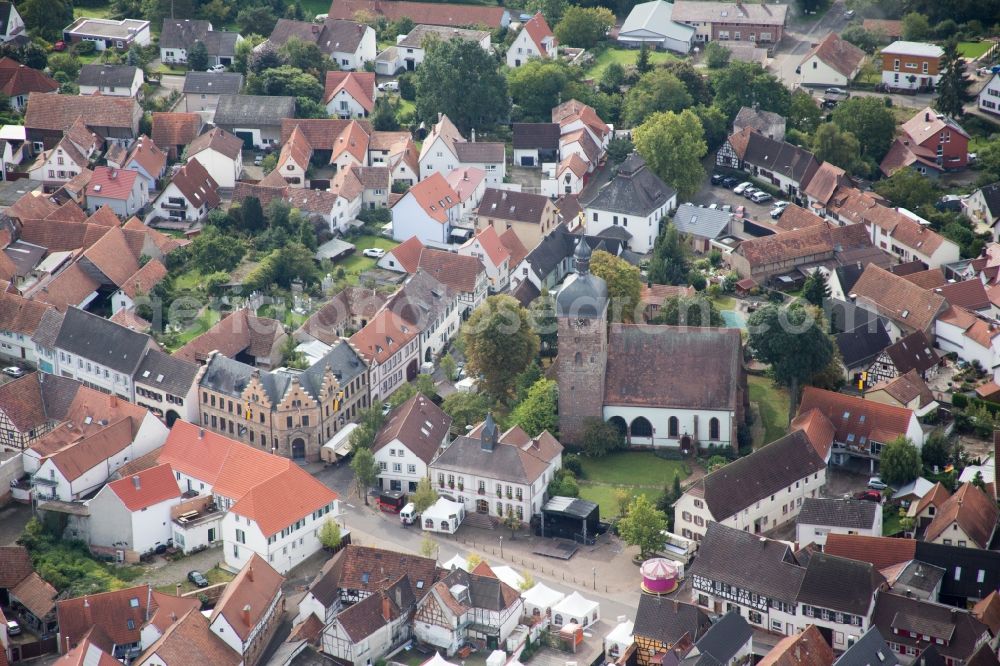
{"points": [[84, 48], [407, 89], [960, 400], [571, 461]]}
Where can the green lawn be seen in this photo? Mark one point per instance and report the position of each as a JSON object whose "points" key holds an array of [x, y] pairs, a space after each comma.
{"points": [[357, 263], [639, 472], [214, 575], [208, 318], [92, 12], [623, 57], [973, 50], [891, 522], [725, 303], [773, 405]]}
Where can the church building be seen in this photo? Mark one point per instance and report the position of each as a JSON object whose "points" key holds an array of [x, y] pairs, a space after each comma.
{"points": [[662, 386]]}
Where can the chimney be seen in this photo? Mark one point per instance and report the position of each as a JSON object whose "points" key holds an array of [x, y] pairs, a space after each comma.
{"points": [[201, 433], [245, 614], [178, 587], [250, 573], [67, 644], [386, 608], [927, 116], [135, 481], [473, 135], [114, 400]]}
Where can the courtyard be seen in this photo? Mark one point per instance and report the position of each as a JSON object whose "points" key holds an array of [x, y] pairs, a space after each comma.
{"points": [[637, 472]]}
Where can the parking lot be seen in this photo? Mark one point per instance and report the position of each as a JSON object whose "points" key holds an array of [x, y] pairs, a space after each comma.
{"points": [[716, 194]]}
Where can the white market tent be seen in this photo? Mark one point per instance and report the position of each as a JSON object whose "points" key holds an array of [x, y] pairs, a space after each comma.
{"points": [[619, 639], [443, 516], [576, 608], [509, 576], [437, 660], [539, 600], [339, 445], [457, 562]]}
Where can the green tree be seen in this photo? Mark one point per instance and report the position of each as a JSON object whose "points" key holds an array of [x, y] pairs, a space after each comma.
{"points": [[622, 499], [900, 462], [689, 311], [908, 189], [465, 409], [366, 471], [803, 113], [285, 264], [306, 56], [624, 284], [643, 526], [936, 451], [259, 20], [462, 81], [978, 481], [619, 149], [537, 86], [65, 62], [599, 438], [865, 40], [543, 321], [671, 258], [693, 79], [642, 64], [499, 343], [792, 342], [383, 117], [46, 18], [714, 124], [448, 366], [425, 495], [838, 147], [427, 546], [815, 290], [741, 84], [552, 10], [563, 484], [612, 79], [953, 91], [423, 384], [33, 55], [244, 49], [285, 80], [672, 145], [329, 534], [217, 12], [212, 250], [538, 411], [916, 27], [510, 521], [584, 27], [868, 119], [716, 55], [197, 56], [252, 217], [657, 90]]}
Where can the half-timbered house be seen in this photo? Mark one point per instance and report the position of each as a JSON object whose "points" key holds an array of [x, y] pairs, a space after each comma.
{"points": [[467, 607], [660, 624], [368, 630], [912, 352]]}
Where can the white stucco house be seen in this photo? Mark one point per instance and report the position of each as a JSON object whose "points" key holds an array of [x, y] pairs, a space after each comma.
{"points": [[221, 153], [413, 434], [819, 517], [988, 99], [429, 210], [832, 62], [445, 149], [534, 41], [189, 195], [133, 513]]}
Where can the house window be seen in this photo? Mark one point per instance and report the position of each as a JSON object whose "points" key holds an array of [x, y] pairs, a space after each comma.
{"points": [[241, 536]]}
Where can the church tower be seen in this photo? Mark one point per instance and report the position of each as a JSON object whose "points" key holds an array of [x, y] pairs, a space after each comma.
{"points": [[581, 314]]}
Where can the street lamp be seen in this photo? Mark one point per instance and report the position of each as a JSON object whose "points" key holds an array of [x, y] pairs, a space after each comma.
{"points": [[501, 547], [594, 571]]}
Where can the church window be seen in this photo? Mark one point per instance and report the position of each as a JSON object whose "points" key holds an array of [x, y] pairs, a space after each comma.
{"points": [[673, 427], [713, 428], [578, 359]]}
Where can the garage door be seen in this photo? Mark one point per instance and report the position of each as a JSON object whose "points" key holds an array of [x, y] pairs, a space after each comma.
{"points": [[247, 138]]}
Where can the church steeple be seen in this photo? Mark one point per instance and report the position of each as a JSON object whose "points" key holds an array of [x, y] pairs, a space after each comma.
{"points": [[488, 440]]}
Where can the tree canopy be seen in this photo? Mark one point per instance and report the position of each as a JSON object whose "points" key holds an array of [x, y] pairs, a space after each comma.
{"points": [[657, 90], [672, 145], [197, 56], [499, 343], [461, 80], [792, 342], [584, 27], [671, 260], [285, 80], [624, 284], [908, 189], [838, 147], [742, 84], [868, 119], [900, 462], [953, 90], [643, 525], [538, 85], [538, 410], [689, 311]]}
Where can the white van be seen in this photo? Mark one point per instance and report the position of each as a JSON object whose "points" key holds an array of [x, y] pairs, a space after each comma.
{"points": [[427, 368], [408, 515]]}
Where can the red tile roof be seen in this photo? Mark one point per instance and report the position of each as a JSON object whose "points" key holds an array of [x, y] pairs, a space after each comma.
{"points": [[899, 299], [84, 455], [807, 648], [67, 289], [103, 216], [112, 612], [148, 155], [456, 271], [238, 332], [218, 140], [296, 149], [514, 246], [112, 256], [882, 552], [144, 279], [146, 488], [21, 401], [172, 129], [855, 420], [17, 79], [489, 241], [59, 112], [971, 510], [32, 205], [383, 336], [87, 653], [538, 29], [280, 500], [256, 586], [430, 13], [569, 111], [818, 430], [191, 640], [37, 596], [359, 85], [15, 565], [197, 185], [70, 212], [970, 294], [407, 254], [435, 196], [838, 54], [111, 183]]}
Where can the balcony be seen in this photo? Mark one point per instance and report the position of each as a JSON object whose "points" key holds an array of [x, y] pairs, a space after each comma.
{"points": [[173, 205], [42, 481]]}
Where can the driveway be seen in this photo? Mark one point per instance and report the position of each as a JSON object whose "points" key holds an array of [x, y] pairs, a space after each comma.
{"points": [[13, 518], [164, 572], [710, 194]]}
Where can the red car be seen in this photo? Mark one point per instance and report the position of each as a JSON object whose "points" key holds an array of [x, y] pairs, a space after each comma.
{"points": [[59, 46], [870, 495]]}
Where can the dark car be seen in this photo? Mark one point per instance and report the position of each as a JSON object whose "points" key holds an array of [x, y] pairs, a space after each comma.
{"points": [[717, 178], [196, 578], [161, 548], [729, 182]]}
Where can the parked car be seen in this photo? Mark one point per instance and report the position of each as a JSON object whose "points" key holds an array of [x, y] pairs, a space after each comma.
{"points": [[386, 408], [714, 206], [760, 196], [14, 371], [197, 578], [741, 188], [877, 483], [776, 213], [749, 192], [216, 69], [373, 252], [717, 178], [729, 182], [389, 86], [59, 46], [836, 92], [13, 628], [849, 14], [782, 204], [870, 495], [258, 159], [726, 208]]}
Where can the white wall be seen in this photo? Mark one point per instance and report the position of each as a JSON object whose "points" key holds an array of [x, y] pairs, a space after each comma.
{"points": [[659, 418], [409, 219], [396, 461], [437, 158], [366, 51], [806, 533], [343, 105], [224, 170], [281, 552], [644, 230], [815, 72], [989, 97]]}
